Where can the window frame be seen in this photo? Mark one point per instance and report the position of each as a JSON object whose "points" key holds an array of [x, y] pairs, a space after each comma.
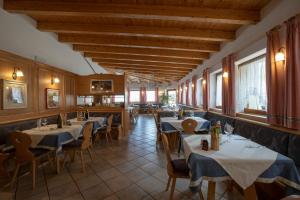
{"points": [[138, 96], [252, 58], [147, 96], [216, 90], [200, 105]]}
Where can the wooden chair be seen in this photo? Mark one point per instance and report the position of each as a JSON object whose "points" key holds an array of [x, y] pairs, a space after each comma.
{"points": [[189, 126], [158, 131], [3, 158], [78, 146], [108, 128], [176, 168], [25, 154]]}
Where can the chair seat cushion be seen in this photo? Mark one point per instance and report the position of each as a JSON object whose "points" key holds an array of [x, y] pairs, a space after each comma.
{"points": [[180, 166], [37, 152], [73, 144]]}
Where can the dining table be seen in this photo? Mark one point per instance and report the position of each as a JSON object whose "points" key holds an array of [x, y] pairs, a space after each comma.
{"points": [[98, 122], [171, 124], [240, 160]]}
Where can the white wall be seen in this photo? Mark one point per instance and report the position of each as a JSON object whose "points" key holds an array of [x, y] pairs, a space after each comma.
{"points": [[251, 38], [18, 35]]}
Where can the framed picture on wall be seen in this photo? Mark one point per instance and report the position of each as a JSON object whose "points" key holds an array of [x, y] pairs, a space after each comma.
{"points": [[101, 86], [14, 94], [52, 98]]}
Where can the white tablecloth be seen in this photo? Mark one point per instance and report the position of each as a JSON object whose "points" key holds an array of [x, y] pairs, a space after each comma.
{"points": [[37, 134], [100, 120], [242, 159], [177, 123]]}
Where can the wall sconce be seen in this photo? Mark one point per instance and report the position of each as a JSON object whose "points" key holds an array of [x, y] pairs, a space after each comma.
{"points": [[17, 73], [185, 87], [225, 74], [204, 81], [193, 85], [280, 55], [54, 80]]}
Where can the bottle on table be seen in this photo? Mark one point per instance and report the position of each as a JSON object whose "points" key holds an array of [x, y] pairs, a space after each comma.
{"points": [[86, 114], [59, 121]]}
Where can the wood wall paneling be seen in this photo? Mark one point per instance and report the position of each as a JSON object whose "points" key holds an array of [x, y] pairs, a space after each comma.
{"points": [[38, 78], [83, 83]]}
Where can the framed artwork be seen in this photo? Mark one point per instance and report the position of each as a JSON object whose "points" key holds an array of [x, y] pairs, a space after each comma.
{"points": [[14, 94], [52, 98], [101, 86]]}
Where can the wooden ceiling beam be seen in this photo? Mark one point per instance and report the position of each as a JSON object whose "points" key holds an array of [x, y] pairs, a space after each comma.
{"points": [[139, 31], [147, 64], [145, 42], [138, 75], [162, 71], [141, 51], [161, 12], [149, 58]]}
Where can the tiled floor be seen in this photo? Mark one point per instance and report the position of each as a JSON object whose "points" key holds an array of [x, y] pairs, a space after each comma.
{"points": [[129, 169]]}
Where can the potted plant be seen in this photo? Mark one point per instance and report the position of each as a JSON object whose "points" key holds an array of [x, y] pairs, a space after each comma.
{"points": [[164, 99]]}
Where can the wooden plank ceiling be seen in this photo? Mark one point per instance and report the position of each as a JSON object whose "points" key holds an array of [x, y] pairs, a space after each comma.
{"points": [[164, 39]]}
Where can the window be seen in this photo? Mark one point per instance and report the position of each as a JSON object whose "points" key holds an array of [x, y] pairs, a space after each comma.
{"points": [[134, 96], [199, 93], [119, 98], [150, 96], [184, 94], [219, 90], [252, 93], [190, 93], [85, 100], [172, 97]]}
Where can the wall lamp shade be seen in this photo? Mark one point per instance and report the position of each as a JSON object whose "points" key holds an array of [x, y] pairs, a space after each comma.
{"points": [[203, 81], [280, 56], [225, 74], [193, 85], [54, 80], [17, 73]]}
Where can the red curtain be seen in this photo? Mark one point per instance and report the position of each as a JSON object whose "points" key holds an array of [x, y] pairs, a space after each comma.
{"points": [[187, 92], [156, 95], [283, 80], [228, 85], [143, 95], [194, 90], [205, 89]]}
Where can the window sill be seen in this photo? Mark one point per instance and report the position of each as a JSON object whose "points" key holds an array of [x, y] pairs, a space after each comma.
{"points": [[217, 110], [254, 117]]}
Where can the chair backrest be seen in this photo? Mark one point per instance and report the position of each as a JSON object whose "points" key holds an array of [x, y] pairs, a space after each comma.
{"points": [[22, 142], [156, 121], [189, 126], [109, 122], [166, 147], [87, 135]]}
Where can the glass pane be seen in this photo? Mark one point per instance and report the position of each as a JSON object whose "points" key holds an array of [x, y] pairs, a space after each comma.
{"points": [[172, 97], [134, 96], [150, 96], [219, 90], [199, 96], [252, 91], [119, 98], [190, 92]]}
